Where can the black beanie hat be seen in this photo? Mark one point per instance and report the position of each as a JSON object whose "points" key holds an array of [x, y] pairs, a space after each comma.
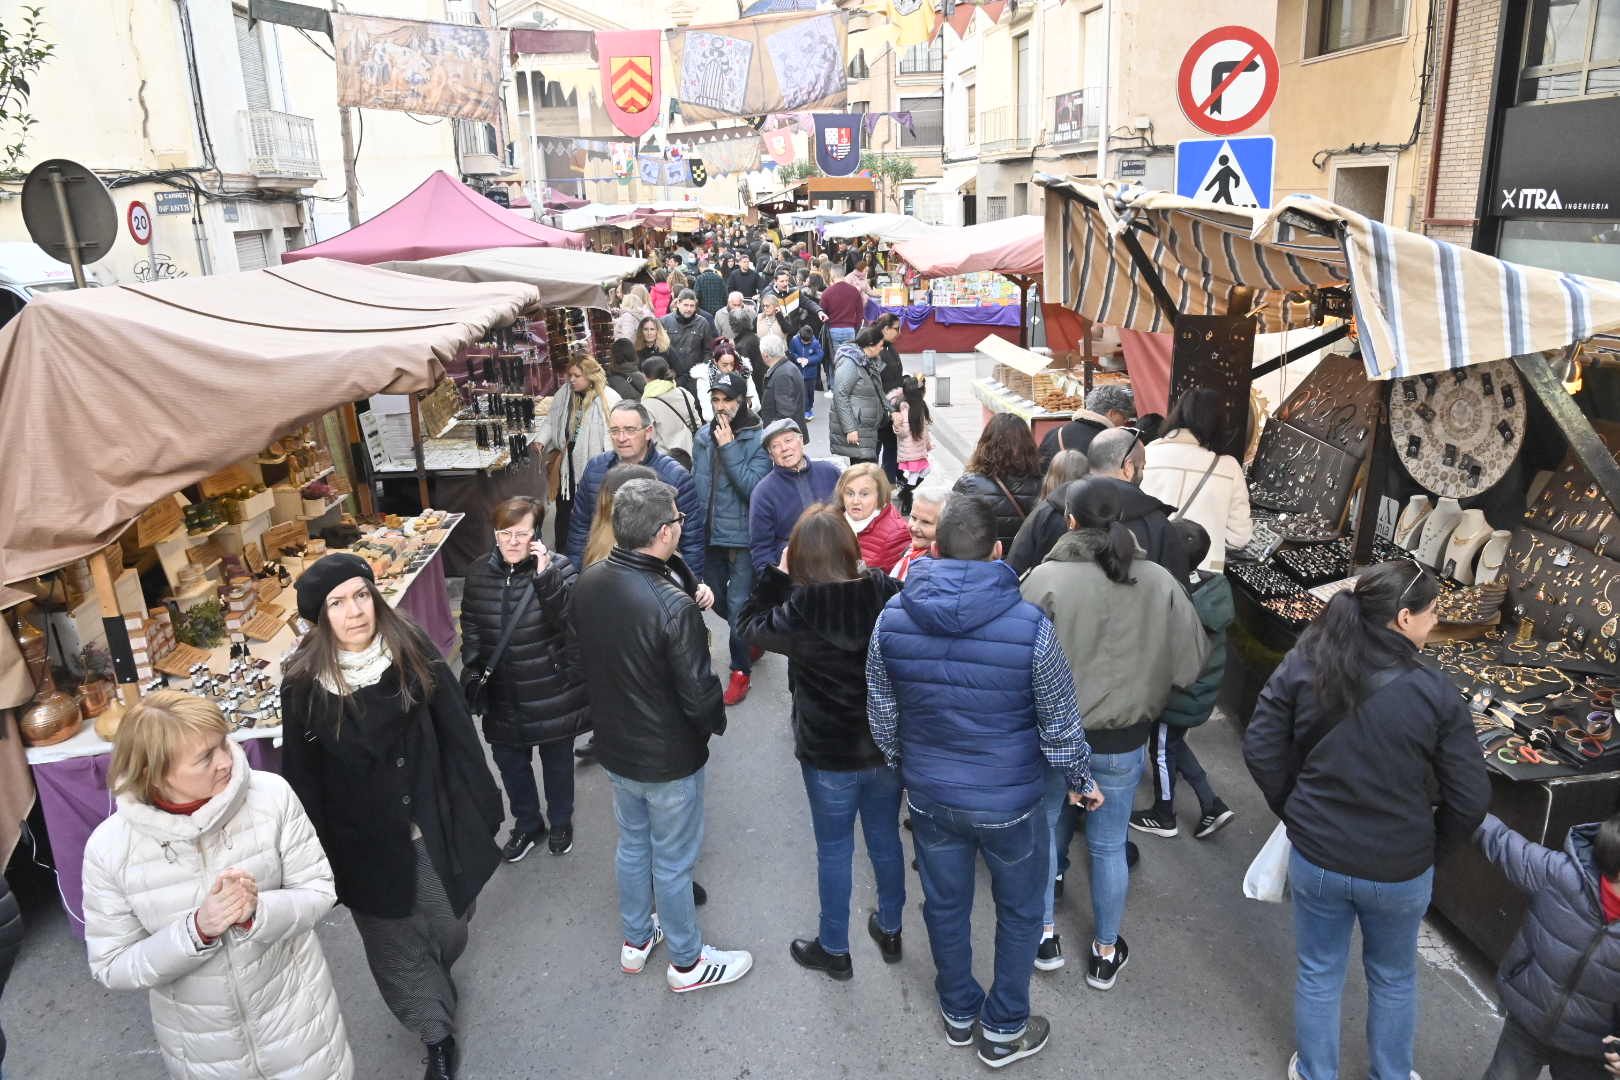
{"points": [[326, 574]]}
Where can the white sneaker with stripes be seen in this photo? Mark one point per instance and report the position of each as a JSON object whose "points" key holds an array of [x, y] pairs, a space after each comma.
{"points": [[715, 967], [632, 959]]}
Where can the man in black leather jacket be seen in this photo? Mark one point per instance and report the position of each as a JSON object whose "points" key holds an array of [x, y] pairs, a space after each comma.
{"points": [[654, 704]]}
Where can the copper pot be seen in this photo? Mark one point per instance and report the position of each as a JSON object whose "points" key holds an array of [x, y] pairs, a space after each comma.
{"points": [[95, 697], [52, 718]]}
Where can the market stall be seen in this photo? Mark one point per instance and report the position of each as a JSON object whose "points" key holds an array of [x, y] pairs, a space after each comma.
{"points": [[162, 548], [1440, 430], [955, 316]]}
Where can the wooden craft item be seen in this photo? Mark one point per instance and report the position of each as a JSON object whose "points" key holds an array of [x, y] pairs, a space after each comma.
{"points": [[286, 534], [227, 479], [158, 521], [262, 627], [180, 662]]}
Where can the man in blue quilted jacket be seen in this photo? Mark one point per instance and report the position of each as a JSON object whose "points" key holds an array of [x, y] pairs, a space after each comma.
{"points": [[1560, 979], [970, 695]]}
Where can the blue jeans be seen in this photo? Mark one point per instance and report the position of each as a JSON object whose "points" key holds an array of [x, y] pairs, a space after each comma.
{"points": [[1015, 847], [1117, 775], [517, 776], [1326, 906], [835, 799], [729, 573], [660, 833], [1055, 799]]}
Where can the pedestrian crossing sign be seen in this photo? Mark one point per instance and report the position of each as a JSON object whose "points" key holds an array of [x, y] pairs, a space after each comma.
{"points": [[1236, 172]]}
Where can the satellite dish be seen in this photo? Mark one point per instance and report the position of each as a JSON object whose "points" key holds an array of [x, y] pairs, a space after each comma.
{"points": [[69, 213]]}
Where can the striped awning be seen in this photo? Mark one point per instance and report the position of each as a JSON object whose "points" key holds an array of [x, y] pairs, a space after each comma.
{"points": [[1420, 305]]}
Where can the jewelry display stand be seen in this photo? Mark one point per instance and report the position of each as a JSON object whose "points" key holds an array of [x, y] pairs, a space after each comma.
{"points": [[1463, 548], [1491, 557], [1409, 527], [1437, 531]]}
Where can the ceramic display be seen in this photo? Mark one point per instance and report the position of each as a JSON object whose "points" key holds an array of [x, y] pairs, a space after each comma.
{"points": [[1409, 527], [1463, 547], [1431, 550], [1491, 557]]}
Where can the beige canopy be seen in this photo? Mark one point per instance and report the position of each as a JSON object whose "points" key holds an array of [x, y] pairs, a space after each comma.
{"points": [[565, 278], [111, 399]]}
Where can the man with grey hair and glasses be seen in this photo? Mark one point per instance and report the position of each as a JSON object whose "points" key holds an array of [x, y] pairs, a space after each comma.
{"points": [[655, 703], [1106, 407]]}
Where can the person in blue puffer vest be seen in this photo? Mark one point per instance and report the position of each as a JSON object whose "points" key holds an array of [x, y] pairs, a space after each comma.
{"points": [[630, 431], [970, 695], [728, 462]]}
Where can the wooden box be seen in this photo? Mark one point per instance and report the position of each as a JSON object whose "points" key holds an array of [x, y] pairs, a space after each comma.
{"points": [[158, 521], [227, 479]]}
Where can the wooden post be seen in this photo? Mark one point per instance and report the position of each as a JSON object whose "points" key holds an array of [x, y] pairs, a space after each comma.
{"points": [[359, 458], [1379, 459], [416, 445], [112, 620]]}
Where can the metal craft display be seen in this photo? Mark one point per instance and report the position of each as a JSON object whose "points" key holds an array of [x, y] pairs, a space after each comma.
{"points": [[1457, 433]]}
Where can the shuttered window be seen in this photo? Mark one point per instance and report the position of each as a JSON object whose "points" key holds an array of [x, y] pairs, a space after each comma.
{"points": [[251, 51], [252, 250]]}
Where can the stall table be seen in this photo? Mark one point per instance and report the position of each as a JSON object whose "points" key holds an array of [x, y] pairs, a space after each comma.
{"points": [[996, 398], [948, 329]]}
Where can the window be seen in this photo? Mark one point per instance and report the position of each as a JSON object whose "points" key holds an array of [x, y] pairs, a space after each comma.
{"points": [[251, 52], [1363, 188], [1020, 200], [995, 207], [252, 250], [293, 238], [1024, 72], [1575, 247], [908, 202], [1571, 49], [1335, 25], [972, 113], [927, 120], [924, 59]]}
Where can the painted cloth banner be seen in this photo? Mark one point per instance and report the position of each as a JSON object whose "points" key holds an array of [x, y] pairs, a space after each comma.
{"points": [[440, 69], [630, 78], [914, 22], [727, 151], [779, 145], [838, 143], [773, 64]]}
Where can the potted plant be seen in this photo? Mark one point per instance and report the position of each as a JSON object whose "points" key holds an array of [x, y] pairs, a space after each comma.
{"points": [[96, 691]]}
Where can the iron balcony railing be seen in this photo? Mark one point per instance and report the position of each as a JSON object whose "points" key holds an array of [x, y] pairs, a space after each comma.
{"points": [[281, 145], [1000, 131]]}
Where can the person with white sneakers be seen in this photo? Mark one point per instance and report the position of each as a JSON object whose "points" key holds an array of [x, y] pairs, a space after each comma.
{"points": [[654, 703]]}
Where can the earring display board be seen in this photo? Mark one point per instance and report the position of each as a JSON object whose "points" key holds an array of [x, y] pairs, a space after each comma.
{"points": [[1296, 473], [1457, 433], [1565, 593], [1571, 505], [1336, 403], [1217, 352]]}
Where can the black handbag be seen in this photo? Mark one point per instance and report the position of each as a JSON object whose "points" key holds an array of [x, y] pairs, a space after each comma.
{"points": [[475, 683]]}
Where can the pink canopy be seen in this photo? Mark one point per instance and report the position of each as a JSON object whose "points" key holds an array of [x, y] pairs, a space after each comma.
{"points": [[1014, 246], [442, 217]]}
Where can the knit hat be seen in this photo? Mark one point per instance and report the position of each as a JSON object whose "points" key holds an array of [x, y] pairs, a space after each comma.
{"points": [[324, 575], [777, 427], [730, 384]]}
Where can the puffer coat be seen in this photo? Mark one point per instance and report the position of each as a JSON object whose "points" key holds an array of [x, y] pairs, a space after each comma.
{"points": [[1560, 978], [255, 1003], [858, 404], [537, 693], [1010, 514]]}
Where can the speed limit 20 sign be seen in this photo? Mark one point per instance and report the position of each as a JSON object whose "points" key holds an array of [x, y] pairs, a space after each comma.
{"points": [[139, 219], [1227, 80]]}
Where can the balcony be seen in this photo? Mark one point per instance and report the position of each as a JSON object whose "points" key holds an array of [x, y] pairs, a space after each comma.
{"points": [[281, 146], [478, 150], [1074, 116], [1004, 133]]}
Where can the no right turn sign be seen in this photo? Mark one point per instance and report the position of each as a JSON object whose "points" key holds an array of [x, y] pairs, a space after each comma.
{"points": [[1227, 80]]}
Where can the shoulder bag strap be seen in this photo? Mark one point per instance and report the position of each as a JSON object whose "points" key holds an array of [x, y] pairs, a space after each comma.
{"points": [[1061, 447], [1380, 679], [1202, 480], [1022, 513], [506, 633]]}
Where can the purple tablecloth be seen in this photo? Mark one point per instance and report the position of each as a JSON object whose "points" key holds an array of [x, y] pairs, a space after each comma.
{"points": [[427, 602], [74, 798], [913, 316]]}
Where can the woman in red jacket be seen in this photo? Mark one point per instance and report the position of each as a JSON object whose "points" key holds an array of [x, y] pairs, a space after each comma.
{"points": [[863, 495]]}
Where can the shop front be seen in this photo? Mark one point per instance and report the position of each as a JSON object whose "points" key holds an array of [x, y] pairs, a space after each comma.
{"points": [[1555, 196]]}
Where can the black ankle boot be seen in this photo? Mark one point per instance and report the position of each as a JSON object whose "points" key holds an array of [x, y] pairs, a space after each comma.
{"points": [[442, 1060]]}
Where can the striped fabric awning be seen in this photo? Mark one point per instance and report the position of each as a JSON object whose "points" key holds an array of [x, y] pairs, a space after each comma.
{"points": [[1420, 305]]}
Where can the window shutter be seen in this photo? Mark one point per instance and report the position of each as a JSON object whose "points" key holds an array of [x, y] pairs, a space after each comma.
{"points": [[252, 54], [252, 250]]}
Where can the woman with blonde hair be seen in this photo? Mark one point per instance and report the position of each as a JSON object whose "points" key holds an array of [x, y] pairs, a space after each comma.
{"points": [[576, 432], [864, 496], [204, 889], [600, 543], [651, 338], [636, 306]]}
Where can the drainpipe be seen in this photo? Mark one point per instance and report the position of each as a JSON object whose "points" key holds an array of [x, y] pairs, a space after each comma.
{"points": [[1440, 125]]}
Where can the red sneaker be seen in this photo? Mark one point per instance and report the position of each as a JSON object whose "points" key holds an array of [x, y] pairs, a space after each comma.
{"points": [[754, 654], [737, 689]]}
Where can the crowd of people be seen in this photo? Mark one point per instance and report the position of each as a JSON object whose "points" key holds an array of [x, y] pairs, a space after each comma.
{"points": [[993, 667]]}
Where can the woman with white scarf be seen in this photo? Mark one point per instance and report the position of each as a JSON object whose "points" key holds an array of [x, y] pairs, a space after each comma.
{"points": [[576, 431]]}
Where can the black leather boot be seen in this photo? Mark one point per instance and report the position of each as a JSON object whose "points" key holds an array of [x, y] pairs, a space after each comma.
{"points": [[442, 1060]]}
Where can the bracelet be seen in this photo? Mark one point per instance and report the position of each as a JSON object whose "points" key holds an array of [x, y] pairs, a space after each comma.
{"points": [[1600, 726]]}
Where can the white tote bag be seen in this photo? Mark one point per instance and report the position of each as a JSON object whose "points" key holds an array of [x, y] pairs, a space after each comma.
{"points": [[1267, 876]]}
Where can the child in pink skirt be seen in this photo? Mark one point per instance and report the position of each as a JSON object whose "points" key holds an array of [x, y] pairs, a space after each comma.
{"points": [[911, 430]]}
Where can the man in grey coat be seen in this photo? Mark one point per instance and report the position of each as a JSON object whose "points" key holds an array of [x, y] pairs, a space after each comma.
{"points": [[783, 395]]}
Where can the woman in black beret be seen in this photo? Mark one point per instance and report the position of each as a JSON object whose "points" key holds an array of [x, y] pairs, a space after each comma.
{"points": [[380, 748]]}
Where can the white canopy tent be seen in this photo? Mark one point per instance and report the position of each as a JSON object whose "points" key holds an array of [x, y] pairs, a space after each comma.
{"points": [[887, 227]]}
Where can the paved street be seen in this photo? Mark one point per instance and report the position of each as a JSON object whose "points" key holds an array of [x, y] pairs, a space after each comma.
{"points": [[1208, 992]]}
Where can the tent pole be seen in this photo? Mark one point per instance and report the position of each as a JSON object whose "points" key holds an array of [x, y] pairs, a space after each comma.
{"points": [[359, 457], [112, 620], [416, 447], [1150, 273], [1023, 310], [1321, 341], [1574, 424]]}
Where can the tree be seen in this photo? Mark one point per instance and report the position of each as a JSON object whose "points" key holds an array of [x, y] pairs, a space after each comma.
{"points": [[21, 54], [889, 170], [798, 170]]}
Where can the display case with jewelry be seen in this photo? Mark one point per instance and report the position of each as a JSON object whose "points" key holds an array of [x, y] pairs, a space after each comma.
{"points": [[1571, 506], [1559, 591]]}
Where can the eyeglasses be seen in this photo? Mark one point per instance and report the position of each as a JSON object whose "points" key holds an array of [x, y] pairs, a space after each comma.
{"points": [[626, 432], [1415, 579], [676, 520], [1136, 437], [515, 536]]}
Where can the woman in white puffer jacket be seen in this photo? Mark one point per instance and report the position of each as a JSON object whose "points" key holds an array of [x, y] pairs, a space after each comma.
{"points": [[204, 889]]}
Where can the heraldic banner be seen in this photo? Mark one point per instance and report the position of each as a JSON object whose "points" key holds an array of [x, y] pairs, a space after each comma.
{"points": [[630, 78], [441, 69], [770, 64], [838, 143]]}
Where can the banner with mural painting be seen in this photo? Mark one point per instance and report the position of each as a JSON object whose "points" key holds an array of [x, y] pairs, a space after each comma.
{"points": [[772, 64], [434, 68], [726, 150], [631, 78], [838, 143]]}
